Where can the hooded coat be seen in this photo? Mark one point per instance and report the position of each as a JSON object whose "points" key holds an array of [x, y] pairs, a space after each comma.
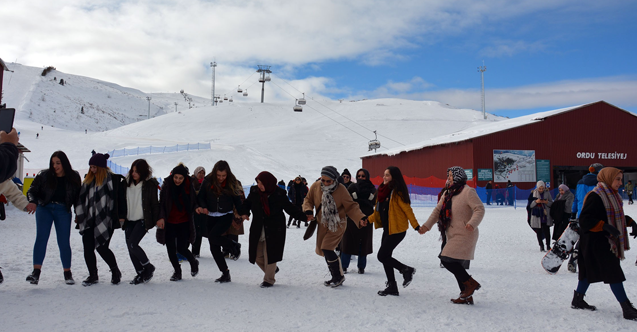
{"points": [[360, 239]]}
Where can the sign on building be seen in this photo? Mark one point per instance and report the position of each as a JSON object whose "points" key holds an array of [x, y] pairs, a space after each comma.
{"points": [[485, 174], [514, 165]]}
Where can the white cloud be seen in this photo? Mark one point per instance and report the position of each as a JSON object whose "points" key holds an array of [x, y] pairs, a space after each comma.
{"points": [[167, 45], [619, 91]]}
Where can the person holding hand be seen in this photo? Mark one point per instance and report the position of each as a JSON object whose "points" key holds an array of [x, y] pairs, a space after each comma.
{"points": [[539, 205], [394, 214], [458, 214], [333, 204]]}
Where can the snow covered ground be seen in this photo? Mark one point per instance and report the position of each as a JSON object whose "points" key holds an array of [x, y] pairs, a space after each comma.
{"points": [[516, 295]]}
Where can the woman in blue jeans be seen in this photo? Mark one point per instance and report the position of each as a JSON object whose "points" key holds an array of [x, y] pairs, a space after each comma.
{"points": [[53, 191]]}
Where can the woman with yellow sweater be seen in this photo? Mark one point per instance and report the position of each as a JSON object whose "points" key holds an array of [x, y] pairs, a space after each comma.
{"points": [[393, 213]]}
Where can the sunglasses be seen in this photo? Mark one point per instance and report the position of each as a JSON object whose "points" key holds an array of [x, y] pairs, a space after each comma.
{"points": [[360, 176], [346, 176], [328, 182]]}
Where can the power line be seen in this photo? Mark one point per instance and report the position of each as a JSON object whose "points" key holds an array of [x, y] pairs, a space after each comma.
{"points": [[342, 114]]}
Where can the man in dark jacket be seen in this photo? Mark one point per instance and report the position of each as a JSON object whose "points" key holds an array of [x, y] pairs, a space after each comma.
{"points": [[586, 184], [296, 194], [489, 189]]}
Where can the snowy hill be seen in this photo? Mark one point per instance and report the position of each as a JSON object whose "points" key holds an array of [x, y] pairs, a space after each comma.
{"points": [[251, 136], [106, 105]]}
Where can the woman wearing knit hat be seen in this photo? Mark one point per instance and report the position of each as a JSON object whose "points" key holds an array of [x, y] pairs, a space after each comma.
{"points": [[176, 226], [458, 214], [393, 213], [52, 194], [604, 239], [142, 215], [218, 198], [267, 231], [333, 204], [200, 220], [101, 208], [347, 178], [539, 205]]}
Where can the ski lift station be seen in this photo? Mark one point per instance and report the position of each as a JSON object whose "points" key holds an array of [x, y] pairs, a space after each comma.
{"points": [[555, 146]]}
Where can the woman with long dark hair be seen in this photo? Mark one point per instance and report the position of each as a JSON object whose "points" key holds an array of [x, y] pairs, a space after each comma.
{"points": [[142, 215], [101, 208], [267, 231], [217, 198], [603, 242], [176, 226], [458, 214], [54, 191], [393, 213], [359, 241]]}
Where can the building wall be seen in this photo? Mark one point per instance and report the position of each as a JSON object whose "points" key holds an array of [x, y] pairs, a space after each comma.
{"points": [[596, 128], [424, 163]]}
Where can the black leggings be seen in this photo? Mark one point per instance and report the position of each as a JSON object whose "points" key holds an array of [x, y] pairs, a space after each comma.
{"points": [[546, 230], [387, 246], [177, 241], [135, 232], [458, 271], [216, 227], [88, 239]]}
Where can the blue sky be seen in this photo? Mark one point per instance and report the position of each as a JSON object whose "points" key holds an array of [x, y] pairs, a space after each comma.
{"points": [[540, 55]]}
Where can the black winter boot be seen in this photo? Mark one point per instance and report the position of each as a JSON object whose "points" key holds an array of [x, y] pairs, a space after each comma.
{"points": [[116, 276], [176, 275], [337, 273], [392, 289], [34, 277], [147, 272], [1, 277], [579, 303], [92, 279], [629, 311], [194, 268], [408, 275], [68, 278], [225, 277]]}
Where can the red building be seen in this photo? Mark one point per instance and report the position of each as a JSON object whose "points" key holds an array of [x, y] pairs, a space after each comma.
{"points": [[555, 146]]}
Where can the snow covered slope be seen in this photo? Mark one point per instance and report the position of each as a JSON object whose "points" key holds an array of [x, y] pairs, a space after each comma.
{"points": [[106, 105]]}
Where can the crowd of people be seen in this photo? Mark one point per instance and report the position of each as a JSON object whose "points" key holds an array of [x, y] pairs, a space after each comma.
{"points": [[186, 208]]}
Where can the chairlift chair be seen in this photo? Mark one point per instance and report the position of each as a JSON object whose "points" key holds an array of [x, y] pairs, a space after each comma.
{"points": [[245, 93], [297, 108], [267, 78], [239, 89], [374, 144], [230, 100], [302, 100], [225, 98], [261, 79]]}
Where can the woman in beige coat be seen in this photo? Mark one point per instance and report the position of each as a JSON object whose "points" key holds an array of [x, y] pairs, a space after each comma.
{"points": [[458, 214], [333, 203]]}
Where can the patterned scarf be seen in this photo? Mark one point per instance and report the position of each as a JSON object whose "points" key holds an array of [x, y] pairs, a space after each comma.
{"points": [[95, 209], [329, 211], [459, 181], [615, 214]]}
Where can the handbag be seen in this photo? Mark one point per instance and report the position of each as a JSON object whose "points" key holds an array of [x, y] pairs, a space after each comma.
{"points": [[309, 231]]}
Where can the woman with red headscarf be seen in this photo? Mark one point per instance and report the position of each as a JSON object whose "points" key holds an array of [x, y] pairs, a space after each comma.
{"points": [[604, 238], [267, 230]]}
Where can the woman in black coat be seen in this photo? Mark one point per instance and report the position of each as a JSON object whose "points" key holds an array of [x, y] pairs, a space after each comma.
{"points": [[359, 241], [267, 230], [218, 197], [176, 226], [604, 238]]}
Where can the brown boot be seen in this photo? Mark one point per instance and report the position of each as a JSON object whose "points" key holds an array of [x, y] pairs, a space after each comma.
{"points": [[460, 300], [469, 287]]}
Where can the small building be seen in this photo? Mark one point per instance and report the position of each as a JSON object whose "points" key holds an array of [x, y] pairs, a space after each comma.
{"points": [[555, 146]]}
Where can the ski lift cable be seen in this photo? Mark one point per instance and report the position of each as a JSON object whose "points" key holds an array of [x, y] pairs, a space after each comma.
{"points": [[323, 114], [343, 115]]}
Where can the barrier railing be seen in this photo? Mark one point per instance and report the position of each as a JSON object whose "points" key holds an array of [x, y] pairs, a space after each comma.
{"points": [[159, 149]]}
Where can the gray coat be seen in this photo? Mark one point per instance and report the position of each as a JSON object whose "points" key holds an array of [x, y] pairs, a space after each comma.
{"points": [[569, 198], [535, 221]]}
